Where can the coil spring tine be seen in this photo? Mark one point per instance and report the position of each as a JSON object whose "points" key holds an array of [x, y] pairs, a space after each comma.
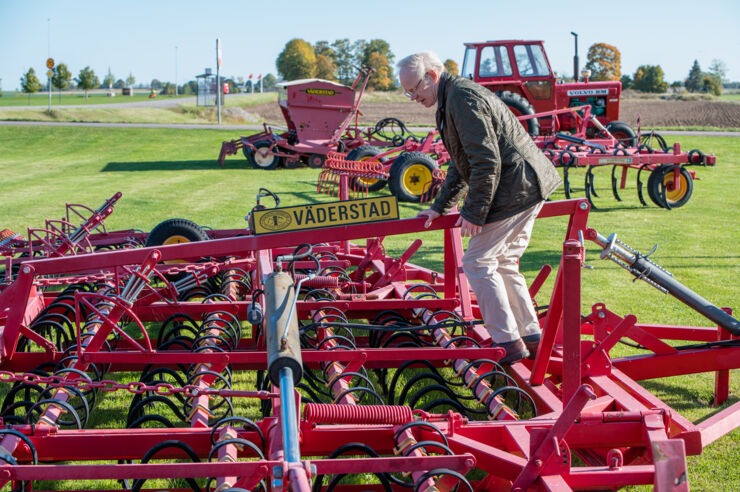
{"points": [[139, 482]]}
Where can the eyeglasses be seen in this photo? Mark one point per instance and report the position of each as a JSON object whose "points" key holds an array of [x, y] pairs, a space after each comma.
{"points": [[412, 92]]}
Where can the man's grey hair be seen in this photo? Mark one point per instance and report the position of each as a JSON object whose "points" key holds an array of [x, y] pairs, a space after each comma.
{"points": [[421, 63]]}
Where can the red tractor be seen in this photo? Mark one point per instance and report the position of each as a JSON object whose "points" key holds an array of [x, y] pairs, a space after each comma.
{"points": [[520, 74]]}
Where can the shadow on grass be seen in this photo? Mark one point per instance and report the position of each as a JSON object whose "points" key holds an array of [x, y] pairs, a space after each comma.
{"points": [[114, 167]]}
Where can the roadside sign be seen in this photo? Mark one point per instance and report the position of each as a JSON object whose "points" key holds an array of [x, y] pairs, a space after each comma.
{"points": [[218, 51], [50, 73], [50, 64]]}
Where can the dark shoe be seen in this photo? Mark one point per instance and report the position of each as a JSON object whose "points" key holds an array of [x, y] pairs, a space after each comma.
{"points": [[515, 351], [532, 342]]}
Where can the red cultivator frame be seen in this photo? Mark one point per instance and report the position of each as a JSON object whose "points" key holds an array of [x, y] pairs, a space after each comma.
{"points": [[350, 364]]}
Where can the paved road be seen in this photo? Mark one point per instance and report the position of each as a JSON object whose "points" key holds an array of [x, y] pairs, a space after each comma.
{"points": [[260, 127], [165, 102]]}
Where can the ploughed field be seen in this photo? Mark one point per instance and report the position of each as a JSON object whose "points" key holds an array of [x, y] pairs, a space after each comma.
{"points": [[652, 113]]}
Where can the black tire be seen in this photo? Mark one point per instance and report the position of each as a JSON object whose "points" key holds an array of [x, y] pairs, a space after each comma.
{"points": [[660, 182], [623, 132], [520, 107], [258, 161], [175, 231], [363, 153], [316, 161], [411, 175]]}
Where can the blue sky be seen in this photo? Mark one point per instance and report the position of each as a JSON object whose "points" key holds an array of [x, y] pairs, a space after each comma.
{"points": [[139, 37]]}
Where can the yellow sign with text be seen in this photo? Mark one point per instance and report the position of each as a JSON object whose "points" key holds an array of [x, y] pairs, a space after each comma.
{"points": [[318, 215]]}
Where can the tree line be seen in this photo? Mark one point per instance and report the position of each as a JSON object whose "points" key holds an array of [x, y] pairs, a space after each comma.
{"points": [[341, 61], [87, 80], [604, 62]]}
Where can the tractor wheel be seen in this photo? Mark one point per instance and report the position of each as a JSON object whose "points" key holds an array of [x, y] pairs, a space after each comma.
{"points": [[661, 181], [259, 161], [364, 153], [316, 161], [411, 176], [520, 106], [623, 133]]}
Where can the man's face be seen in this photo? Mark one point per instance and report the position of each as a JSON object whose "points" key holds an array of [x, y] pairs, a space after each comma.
{"points": [[424, 90]]}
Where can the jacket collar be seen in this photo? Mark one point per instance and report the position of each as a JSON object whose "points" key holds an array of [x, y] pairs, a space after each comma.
{"points": [[441, 92]]}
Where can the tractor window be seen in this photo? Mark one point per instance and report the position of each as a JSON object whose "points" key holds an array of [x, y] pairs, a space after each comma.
{"points": [[468, 63], [530, 59], [494, 62]]}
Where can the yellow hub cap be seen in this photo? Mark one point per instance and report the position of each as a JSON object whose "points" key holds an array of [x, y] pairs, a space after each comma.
{"points": [[175, 239], [416, 179], [672, 193]]}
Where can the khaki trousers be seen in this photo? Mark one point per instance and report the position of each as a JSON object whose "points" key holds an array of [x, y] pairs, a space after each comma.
{"points": [[491, 264]]}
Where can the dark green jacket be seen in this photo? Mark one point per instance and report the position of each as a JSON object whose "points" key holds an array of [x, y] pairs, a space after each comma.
{"points": [[493, 157]]}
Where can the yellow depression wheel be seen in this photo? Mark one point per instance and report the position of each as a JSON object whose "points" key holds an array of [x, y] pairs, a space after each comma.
{"points": [[411, 176], [361, 154], [416, 179], [666, 191]]}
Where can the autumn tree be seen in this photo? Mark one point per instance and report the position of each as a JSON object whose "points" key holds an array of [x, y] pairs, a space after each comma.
{"points": [[87, 80], [604, 61], [348, 59], [649, 78], [711, 84], [297, 60], [451, 66], [61, 79], [325, 68], [30, 83], [130, 80], [382, 78], [694, 80], [324, 48]]}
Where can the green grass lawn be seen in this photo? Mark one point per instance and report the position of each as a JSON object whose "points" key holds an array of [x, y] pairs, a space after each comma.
{"points": [[174, 173]]}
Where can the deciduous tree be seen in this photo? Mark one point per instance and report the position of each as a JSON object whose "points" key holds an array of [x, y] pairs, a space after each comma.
{"points": [[61, 79], [626, 81], [451, 66], [30, 83], [694, 80], [711, 84], [130, 80], [297, 60], [324, 48], [649, 78], [604, 61], [347, 59], [325, 68], [268, 82], [87, 80], [381, 79]]}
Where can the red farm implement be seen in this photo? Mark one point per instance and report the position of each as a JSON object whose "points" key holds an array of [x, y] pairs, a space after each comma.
{"points": [[273, 348], [321, 117], [411, 170]]}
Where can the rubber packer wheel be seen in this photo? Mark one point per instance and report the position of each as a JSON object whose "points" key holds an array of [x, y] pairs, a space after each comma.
{"points": [[662, 179], [175, 231], [259, 161], [364, 153], [411, 176]]}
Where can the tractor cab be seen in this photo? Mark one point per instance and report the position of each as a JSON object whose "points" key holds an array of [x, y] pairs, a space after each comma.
{"points": [[519, 72]]}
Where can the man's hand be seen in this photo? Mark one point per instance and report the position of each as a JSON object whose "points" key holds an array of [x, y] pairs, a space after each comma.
{"points": [[430, 215], [467, 228]]}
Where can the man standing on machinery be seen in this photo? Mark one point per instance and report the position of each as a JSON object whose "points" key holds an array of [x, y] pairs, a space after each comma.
{"points": [[507, 179]]}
